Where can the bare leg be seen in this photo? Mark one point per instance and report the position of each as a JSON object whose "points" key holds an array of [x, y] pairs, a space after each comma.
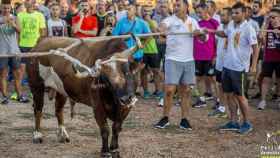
{"points": [[185, 100], [168, 99], [4, 73], [244, 107], [17, 73]]}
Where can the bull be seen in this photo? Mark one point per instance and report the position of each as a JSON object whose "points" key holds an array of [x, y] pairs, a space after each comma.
{"points": [[103, 82]]}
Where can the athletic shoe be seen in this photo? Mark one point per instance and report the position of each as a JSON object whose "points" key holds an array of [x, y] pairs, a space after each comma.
{"points": [[208, 96], [230, 126], [161, 102], [261, 105], [185, 125], [216, 106], [199, 104], [23, 99], [14, 96], [158, 94], [163, 123], [217, 113], [147, 95], [245, 128], [5, 101]]}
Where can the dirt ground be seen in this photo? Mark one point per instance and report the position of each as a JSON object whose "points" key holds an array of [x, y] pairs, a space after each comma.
{"points": [[138, 139]]}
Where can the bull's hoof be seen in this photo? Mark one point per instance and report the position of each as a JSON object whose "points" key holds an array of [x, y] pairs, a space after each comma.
{"points": [[106, 155], [37, 137], [62, 135]]}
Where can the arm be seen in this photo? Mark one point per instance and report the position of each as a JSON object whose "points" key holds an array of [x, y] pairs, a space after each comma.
{"points": [[77, 26], [255, 57], [91, 33]]}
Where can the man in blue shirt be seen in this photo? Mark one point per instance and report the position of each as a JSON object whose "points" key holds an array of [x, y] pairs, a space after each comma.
{"points": [[132, 24]]}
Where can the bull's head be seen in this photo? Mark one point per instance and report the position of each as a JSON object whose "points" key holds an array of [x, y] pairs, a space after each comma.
{"points": [[116, 73]]}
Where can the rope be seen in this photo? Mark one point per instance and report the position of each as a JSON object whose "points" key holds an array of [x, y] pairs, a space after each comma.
{"points": [[96, 39]]}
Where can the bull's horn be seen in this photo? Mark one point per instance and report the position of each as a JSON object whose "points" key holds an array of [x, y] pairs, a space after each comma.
{"points": [[80, 72]]}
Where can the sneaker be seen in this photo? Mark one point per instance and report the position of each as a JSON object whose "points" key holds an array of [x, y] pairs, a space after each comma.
{"points": [[5, 101], [195, 92], [245, 128], [261, 105], [216, 106], [185, 125], [147, 95], [178, 102], [24, 82], [158, 94], [14, 96], [23, 99], [230, 126], [217, 113], [208, 96], [163, 123], [161, 102], [199, 104]]}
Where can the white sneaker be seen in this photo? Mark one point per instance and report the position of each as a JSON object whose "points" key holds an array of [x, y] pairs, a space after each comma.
{"points": [[262, 105], [161, 102]]}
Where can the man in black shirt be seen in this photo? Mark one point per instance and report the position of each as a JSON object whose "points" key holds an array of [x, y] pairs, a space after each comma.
{"points": [[101, 15], [257, 6]]}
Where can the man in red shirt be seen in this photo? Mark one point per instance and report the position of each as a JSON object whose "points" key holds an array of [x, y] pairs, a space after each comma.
{"points": [[271, 62], [84, 24]]}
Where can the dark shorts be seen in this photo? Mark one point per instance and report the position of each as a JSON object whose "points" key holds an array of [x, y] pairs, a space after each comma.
{"points": [[151, 60], [233, 82], [24, 50], [269, 67], [13, 63], [204, 68], [218, 76], [161, 54]]}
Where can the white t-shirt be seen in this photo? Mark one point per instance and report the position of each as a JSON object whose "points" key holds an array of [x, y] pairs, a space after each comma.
{"points": [[56, 28], [240, 41], [221, 49], [180, 47]]}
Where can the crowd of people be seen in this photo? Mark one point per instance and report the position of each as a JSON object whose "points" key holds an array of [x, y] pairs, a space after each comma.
{"points": [[222, 54]]}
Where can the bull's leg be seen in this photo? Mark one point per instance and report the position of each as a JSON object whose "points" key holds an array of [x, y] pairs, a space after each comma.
{"points": [[37, 88], [101, 120], [116, 129], [38, 103], [72, 104], [62, 134]]}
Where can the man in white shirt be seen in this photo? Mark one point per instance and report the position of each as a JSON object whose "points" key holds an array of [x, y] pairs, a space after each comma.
{"points": [[179, 61], [221, 50], [242, 39]]}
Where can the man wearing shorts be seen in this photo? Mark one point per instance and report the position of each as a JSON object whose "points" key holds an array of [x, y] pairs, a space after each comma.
{"points": [[179, 63], [221, 50], [242, 39], [271, 62], [9, 45], [32, 27]]}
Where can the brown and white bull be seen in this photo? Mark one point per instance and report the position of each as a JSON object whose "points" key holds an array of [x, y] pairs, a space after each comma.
{"points": [[104, 82]]}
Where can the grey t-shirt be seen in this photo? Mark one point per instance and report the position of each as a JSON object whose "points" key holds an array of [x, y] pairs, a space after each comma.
{"points": [[8, 38]]}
